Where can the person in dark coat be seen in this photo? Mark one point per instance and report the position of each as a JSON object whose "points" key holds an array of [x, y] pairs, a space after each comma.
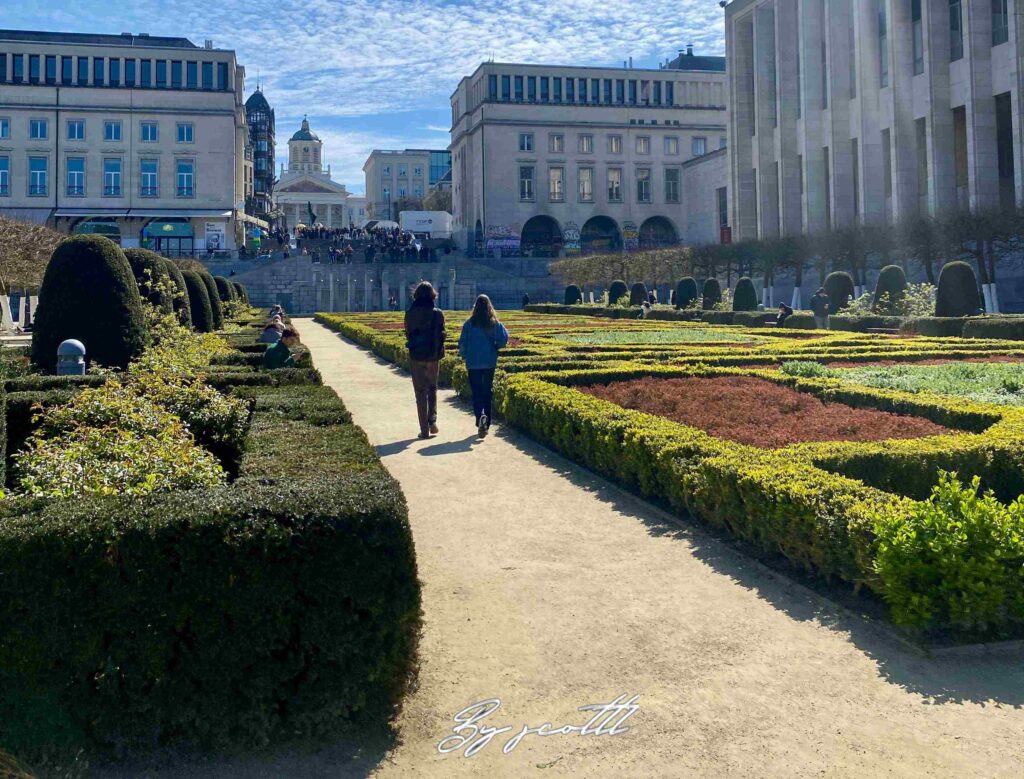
{"points": [[424, 334]]}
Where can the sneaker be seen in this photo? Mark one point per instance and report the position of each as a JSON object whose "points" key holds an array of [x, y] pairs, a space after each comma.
{"points": [[433, 428], [482, 425], [423, 436]]}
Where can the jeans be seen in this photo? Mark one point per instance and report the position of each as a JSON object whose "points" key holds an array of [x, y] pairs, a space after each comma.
{"points": [[481, 382], [424, 385]]}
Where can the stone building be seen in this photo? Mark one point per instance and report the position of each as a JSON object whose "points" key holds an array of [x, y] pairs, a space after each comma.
{"points": [[260, 118], [137, 137], [306, 184], [552, 160], [394, 176]]}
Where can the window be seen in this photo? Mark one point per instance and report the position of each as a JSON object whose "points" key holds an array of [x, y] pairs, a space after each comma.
{"points": [[614, 185], [556, 143], [586, 144], [17, 68], [417, 191], [545, 89], [643, 185], [855, 164], [129, 73], [620, 91], [5, 176], [386, 170], [83, 71], [51, 69], [918, 36], [192, 75], [33, 68], [67, 69], [883, 46], [186, 133], [723, 142], [657, 93], [586, 182], [887, 163], [1000, 22], [115, 72], [185, 178], [417, 171], [959, 150], [146, 73], [492, 87], [632, 92], [76, 129], [956, 30], [112, 178], [615, 144], [670, 93], [403, 171], [525, 141], [111, 131], [607, 90], [38, 129], [176, 74], [671, 185], [526, 182], [556, 184], [3, 67], [5, 128], [583, 90], [531, 88], [570, 90], [672, 146], [37, 178], [506, 88], [161, 74], [401, 191], [519, 89], [643, 145], [98, 76], [222, 76], [207, 75], [595, 88], [723, 206], [698, 146], [149, 178], [558, 90], [76, 176], [150, 132]]}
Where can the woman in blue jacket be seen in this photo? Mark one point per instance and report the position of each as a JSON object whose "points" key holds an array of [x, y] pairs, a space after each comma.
{"points": [[482, 336]]}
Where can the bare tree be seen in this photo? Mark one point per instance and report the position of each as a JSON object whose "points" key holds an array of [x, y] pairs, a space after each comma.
{"points": [[25, 250]]}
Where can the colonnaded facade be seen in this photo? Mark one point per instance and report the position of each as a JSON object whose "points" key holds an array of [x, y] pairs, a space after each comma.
{"points": [[306, 185]]}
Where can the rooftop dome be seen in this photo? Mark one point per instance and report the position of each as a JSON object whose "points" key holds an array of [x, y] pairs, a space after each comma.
{"points": [[257, 102], [305, 134]]}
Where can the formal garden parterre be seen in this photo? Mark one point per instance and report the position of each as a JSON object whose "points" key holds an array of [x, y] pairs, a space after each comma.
{"points": [[883, 517]]}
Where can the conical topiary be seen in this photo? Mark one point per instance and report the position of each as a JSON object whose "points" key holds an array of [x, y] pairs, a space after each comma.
{"points": [[686, 292], [89, 294], [215, 307], [573, 295], [839, 287], [890, 289], [181, 300], [958, 291], [638, 294], [744, 298], [225, 291], [241, 291], [150, 271], [616, 292], [199, 300], [712, 294]]}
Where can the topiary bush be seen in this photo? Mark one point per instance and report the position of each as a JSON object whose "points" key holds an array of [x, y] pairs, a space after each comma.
{"points": [[638, 294], [89, 293], [686, 292], [216, 309], [199, 300], [744, 297], [153, 278], [225, 291], [241, 292], [616, 292], [840, 289], [890, 289], [573, 295], [182, 305], [958, 291], [712, 294]]}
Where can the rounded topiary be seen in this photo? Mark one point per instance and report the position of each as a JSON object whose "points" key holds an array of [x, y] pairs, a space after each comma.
{"points": [[215, 307], [181, 299], [616, 292], [225, 291], [744, 298], [638, 294], [892, 285], [199, 299], [153, 278], [89, 293], [839, 287], [958, 291], [573, 295], [712, 294], [241, 292], [686, 292]]}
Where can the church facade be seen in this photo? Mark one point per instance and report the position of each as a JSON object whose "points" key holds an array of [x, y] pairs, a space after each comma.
{"points": [[305, 193]]}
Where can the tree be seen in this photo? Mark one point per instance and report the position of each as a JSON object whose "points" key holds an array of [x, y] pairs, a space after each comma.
{"points": [[438, 199], [919, 237], [25, 251]]}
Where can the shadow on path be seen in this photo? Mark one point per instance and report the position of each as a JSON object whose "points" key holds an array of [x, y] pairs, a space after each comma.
{"points": [[451, 447]]}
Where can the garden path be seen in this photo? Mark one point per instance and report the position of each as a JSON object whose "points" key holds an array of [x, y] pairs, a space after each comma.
{"points": [[550, 589]]}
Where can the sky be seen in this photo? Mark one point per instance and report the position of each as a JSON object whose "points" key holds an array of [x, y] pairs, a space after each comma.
{"points": [[380, 73]]}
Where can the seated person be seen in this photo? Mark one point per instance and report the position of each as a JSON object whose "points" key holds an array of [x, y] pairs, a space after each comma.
{"points": [[280, 354], [784, 313], [272, 332]]}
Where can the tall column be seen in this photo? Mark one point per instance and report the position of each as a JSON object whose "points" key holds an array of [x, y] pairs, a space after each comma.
{"points": [[740, 54], [982, 154], [765, 160], [941, 146], [906, 188], [787, 139], [816, 197]]}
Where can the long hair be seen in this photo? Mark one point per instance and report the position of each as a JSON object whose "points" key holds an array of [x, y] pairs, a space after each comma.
{"points": [[483, 314], [424, 292]]}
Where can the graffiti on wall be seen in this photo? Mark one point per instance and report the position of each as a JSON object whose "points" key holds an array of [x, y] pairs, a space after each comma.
{"points": [[630, 236], [571, 238]]}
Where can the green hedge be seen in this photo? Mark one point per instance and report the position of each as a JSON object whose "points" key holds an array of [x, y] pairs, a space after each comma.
{"points": [[200, 305], [957, 294], [216, 309], [935, 326], [3, 436], [718, 317], [1004, 328]]}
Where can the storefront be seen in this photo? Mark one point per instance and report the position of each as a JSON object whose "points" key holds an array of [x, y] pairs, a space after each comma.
{"points": [[102, 225], [171, 236]]}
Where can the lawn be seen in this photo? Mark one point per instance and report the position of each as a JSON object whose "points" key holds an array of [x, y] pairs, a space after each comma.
{"points": [[678, 335]]}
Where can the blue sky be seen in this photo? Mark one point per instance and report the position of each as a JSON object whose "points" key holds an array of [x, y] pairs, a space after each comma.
{"points": [[379, 73]]}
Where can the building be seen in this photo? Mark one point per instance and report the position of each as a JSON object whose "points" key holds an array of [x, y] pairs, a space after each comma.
{"points": [[869, 111], [551, 160], [305, 185], [356, 211], [260, 118], [393, 178], [137, 137]]}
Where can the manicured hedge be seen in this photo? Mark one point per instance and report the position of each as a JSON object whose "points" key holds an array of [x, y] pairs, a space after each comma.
{"points": [[1005, 328], [957, 294], [151, 274], [935, 326], [638, 294], [225, 291], [840, 289], [181, 300], [215, 306], [573, 295], [199, 301], [616, 291], [686, 292], [744, 297], [712, 294], [892, 284]]}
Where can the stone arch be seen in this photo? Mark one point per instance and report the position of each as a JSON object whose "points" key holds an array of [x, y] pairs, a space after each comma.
{"points": [[600, 234], [658, 232], [541, 237]]}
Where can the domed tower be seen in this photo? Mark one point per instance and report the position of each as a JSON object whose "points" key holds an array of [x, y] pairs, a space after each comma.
{"points": [[305, 151]]}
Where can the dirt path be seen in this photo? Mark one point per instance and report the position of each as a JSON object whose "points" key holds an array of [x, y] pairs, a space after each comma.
{"points": [[549, 589]]}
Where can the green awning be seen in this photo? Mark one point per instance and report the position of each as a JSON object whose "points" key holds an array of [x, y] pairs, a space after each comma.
{"points": [[168, 229]]}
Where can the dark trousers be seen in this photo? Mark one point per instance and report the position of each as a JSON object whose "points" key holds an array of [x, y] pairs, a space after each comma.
{"points": [[481, 382], [424, 385]]}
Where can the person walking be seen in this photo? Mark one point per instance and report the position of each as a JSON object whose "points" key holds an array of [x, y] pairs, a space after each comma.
{"points": [[424, 336], [481, 339], [819, 306]]}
